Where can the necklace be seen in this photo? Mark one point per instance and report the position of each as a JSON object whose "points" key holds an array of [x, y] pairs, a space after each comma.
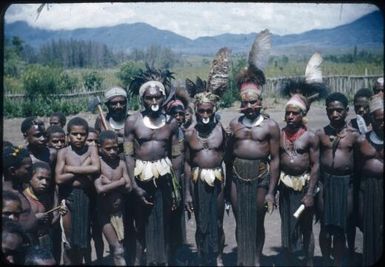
{"points": [[252, 123], [116, 125], [154, 124], [375, 138]]}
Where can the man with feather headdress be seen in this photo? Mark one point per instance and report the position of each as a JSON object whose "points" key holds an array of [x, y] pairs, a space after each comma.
{"points": [[204, 175], [299, 163], [252, 165], [152, 152]]}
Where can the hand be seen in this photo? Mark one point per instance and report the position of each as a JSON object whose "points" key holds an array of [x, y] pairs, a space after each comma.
{"points": [[269, 200], [188, 204], [105, 180], [43, 217], [142, 195], [308, 200], [128, 187]]}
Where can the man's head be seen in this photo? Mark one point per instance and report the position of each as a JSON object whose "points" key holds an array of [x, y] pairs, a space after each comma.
{"points": [[17, 165], [11, 206], [108, 145], [176, 109], [251, 100], [337, 108], [116, 102], [379, 86], [41, 177], [153, 95], [56, 137], [376, 108], [361, 102], [58, 119], [13, 241], [77, 130], [295, 111], [34, 132]]}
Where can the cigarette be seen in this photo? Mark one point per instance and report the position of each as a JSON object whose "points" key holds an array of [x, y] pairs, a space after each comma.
{"points": [[298, 212]]}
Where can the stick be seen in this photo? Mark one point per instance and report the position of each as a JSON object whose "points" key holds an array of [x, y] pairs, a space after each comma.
{"points": [[105, 125], [52, 210], [301, 208]]}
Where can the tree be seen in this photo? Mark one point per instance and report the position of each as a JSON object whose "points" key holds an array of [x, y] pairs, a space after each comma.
{"points": [[126, 73]]}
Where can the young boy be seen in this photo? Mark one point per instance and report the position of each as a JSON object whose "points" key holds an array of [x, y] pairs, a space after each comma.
{"points": [[35, 136], [58, 119], [110, 186], [56, 137], [92, 138], [11, 206], [41, 197], [76, 164]]}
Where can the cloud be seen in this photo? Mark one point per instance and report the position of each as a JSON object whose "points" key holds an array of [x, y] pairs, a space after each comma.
{"points": [[192, 19]]}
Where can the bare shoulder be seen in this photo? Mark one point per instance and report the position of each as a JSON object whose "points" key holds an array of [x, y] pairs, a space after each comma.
{"points": [[233, 123], [272, 124], [122, 164], [63, 152]]}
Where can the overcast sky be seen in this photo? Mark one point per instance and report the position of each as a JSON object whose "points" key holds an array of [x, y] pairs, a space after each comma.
{"points": [[191, 19]]}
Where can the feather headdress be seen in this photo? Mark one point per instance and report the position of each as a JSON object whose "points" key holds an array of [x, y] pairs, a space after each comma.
{"points": [[217, 82], [311, 86], [251, 79], [151, 77]]}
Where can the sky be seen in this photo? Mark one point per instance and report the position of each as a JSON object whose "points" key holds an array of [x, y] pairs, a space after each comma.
{"points": [[192, 19]]}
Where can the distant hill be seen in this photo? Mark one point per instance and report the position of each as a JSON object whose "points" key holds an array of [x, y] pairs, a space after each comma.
{"points": [[366, 32]]}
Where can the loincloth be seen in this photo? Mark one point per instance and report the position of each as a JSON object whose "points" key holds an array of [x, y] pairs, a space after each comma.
{"points": [[207, 175], [246, 170]]}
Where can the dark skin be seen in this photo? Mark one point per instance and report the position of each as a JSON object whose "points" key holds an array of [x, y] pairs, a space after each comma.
{"points": [[208, 155], [14, 178], [117, 110], [75, 166], [341, 164], [302, 157], [110, 185], [149, 145], [37, 145], [255, 143], [57, 141]]}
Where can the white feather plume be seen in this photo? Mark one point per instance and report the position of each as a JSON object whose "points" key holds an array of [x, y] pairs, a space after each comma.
{"points": [[260, 51], [313, 73]]}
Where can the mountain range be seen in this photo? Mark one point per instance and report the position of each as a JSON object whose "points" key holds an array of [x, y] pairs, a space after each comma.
{"points": [[366, 32]]}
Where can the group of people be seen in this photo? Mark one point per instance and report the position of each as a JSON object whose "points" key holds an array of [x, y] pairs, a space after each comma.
{"points": [[132, 177]]}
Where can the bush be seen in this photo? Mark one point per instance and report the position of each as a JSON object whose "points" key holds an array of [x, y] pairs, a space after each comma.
{"points": [[92, 81]]}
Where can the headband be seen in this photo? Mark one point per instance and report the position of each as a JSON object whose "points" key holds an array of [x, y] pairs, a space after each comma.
{"points": [[376, 102], [297, 101], [149, 84], [115, 91]]}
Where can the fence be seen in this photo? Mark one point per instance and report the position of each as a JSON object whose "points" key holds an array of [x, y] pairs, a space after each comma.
{"points": [[347, 84]]}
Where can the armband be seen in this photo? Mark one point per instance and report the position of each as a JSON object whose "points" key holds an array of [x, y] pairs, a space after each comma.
{"points": [[128, 148]]}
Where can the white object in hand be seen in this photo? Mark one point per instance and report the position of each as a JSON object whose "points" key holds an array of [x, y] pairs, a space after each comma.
{"points": [[298, 212]]}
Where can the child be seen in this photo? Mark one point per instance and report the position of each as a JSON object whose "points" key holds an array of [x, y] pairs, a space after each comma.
{"points": [[35, 136], [75, 166], [17, 171], [58, 119], [110, 186], [42, 199], [92, 138], [11, 206], [56, 137]]}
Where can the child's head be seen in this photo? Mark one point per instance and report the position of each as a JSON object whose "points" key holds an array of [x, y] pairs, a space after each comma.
{"points": [[33, 131], [58, 119], [41, 177], [38, 255], [13, 241], [361, 101], [337, 107], [108, 143], [17, 164], [56, 137], [92, 138], [77, 130], [11, 206]]}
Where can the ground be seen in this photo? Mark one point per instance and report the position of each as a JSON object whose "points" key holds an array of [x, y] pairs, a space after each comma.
{"points": [[272, 253]]}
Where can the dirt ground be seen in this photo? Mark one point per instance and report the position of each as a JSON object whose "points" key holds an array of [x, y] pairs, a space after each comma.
{"points": [[272, 252]]}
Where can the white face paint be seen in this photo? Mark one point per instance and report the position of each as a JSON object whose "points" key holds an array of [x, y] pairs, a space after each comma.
{"points": [[154, 108], [206, 120]]}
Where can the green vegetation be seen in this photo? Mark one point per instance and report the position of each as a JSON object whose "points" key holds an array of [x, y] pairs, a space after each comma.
{"points": [[77, 66]]}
